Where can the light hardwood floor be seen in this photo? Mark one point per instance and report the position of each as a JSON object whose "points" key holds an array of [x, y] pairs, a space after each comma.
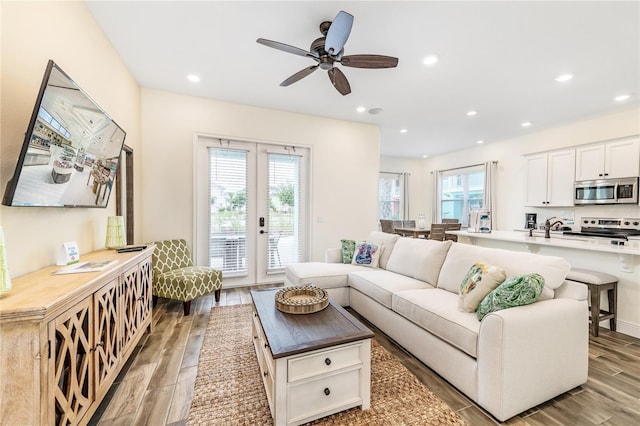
{"points": [[156, 385]]}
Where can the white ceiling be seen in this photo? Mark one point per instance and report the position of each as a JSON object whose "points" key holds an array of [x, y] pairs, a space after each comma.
{"points": [[498, 58]]}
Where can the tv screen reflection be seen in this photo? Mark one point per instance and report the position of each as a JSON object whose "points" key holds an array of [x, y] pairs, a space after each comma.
{"points": [[71, 151]]}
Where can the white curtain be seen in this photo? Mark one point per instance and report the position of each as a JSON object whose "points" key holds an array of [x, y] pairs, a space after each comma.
{"points": [[489, 201], [435, 210]]}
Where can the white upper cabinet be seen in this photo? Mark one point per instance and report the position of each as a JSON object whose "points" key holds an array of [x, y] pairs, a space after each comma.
{"points": [[550, 178], [617, 159]]}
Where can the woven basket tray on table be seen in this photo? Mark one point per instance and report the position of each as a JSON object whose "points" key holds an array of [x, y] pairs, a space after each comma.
{"points": [[305, 299]]}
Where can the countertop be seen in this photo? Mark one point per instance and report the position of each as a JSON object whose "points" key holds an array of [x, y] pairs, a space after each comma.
{"points": [[631, 247]]}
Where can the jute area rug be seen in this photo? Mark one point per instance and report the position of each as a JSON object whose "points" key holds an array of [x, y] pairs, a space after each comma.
{"points": [[229, 390]]}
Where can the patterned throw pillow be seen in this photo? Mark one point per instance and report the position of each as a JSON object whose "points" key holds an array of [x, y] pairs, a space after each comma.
{"points": [[516, 290], [367, 254], [348, 248], [479, 281]]}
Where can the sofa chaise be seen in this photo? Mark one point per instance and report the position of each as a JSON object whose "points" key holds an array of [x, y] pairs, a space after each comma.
{"points": [[510, 361]]}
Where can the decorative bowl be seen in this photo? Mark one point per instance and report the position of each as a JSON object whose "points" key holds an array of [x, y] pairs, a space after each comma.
{"points": [[305, 299]]}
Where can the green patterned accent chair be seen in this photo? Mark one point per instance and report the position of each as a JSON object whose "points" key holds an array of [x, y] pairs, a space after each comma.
{"points": [[175, 277]]}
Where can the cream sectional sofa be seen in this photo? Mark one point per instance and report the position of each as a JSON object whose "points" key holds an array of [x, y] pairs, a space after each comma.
{"points": [[512, 360]]}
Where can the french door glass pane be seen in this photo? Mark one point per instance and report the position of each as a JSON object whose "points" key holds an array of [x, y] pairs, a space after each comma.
{"points": [[228, 210], [284, 208]]}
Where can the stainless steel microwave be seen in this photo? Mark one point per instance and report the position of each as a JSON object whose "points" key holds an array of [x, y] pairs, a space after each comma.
{"points": [[606, 191]]}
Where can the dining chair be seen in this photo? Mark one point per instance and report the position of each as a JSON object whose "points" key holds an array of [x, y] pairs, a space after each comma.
{"points": [[437, 231], [386, 225], [450, 220], [408, 223], [451, 227]]}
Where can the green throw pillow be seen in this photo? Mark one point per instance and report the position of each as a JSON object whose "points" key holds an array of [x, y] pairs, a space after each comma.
{"points": [[348, 248], [517, 290]]}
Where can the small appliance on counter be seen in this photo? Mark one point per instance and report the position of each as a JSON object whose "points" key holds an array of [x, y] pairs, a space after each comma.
{"points": [[479, 220], [530, 220]]}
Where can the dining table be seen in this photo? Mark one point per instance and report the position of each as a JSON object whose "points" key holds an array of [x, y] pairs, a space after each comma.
{"points": [[414, 232]]}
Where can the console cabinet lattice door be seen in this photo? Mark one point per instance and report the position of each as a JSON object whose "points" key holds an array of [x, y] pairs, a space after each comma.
{"points": [[71, 364], [137, 301], [108, 342]]}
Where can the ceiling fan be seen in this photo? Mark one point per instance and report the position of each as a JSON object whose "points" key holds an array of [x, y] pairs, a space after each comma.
{"points": [[328, 50]]}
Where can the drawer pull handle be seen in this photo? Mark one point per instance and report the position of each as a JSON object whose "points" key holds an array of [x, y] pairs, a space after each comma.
{"points": [[327, 361], [266, 345], [265, 374], [255, 337], [327, 391]]}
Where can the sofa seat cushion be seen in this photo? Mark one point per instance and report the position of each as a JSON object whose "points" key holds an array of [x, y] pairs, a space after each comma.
{"points": [[462, 256], [437, 312], [419, 258], [380, 285], [321, 274]]}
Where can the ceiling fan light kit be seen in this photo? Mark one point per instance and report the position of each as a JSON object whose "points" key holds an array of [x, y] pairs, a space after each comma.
{"points": [[329, 50]]}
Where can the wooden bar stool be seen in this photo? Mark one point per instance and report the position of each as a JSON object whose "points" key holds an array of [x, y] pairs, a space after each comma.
{"points": [[596, 283]]}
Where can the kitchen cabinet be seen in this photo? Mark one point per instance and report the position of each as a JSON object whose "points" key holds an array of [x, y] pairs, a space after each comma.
{"points": [[608, 160], [66, 337], [550, 178]]}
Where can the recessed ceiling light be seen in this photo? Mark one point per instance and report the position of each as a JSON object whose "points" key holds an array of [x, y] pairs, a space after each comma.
{"points": [[471, 113], [526, 124], [193, 78], [564, 77], [425, 156], [374, 111], [403, 130], [430, 60], [479, 142], [621, 98], [361, 109]]}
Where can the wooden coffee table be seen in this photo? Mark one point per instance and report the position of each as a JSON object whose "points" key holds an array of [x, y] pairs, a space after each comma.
{"points": [[312, 365]]}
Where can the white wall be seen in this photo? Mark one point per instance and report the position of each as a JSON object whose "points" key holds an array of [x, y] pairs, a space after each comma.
{"points": [[345, 163], [31, 34], [510, 195]]}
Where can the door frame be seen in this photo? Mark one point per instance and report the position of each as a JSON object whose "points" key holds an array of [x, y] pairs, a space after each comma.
{"points": [[201, 140], [126, 191]]}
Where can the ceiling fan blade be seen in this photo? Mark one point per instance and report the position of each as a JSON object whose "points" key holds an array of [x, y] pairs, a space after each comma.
{"points": [[338, 32], [339, 81], [369, 61], [286, 48], [299, 75]]}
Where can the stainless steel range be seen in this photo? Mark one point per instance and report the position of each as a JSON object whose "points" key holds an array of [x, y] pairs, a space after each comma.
{"points": [[607, 227]]}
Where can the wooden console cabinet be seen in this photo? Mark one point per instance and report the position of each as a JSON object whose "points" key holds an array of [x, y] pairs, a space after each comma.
{"points": [[64, 338]]}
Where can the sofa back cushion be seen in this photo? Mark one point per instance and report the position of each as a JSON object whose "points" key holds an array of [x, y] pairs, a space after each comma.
{"points": [[462, 256], [386, 240], [418, 258]]}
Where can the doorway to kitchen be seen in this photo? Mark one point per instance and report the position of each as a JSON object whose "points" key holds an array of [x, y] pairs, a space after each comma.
{"points": [[251, 208]]}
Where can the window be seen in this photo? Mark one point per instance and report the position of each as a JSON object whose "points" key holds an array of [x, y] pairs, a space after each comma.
{"points": [[460, 190], [392, 201]]}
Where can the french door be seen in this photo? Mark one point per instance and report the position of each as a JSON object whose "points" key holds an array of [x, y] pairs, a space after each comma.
{"points": [[252, 209]]}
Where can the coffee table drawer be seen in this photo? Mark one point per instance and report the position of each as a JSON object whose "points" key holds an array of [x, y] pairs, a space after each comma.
{"points": [[324, 362], [324, 395]]}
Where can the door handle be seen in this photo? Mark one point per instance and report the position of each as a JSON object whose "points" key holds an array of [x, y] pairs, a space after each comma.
{"points": [[261, 221], [262, 231]]}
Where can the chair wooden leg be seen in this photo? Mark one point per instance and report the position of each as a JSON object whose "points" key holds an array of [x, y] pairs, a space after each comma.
{"points": [[186, 306], [217, 294]]}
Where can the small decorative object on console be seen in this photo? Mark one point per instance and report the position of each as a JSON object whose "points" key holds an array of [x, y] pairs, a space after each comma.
{"points": [[305, 299]]}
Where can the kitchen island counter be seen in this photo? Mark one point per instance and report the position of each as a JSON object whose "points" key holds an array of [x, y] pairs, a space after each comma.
{"points": [[631, 247]]}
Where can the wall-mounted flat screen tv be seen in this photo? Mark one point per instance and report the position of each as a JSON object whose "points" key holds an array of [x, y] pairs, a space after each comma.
{"points": [[71, 149]]}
